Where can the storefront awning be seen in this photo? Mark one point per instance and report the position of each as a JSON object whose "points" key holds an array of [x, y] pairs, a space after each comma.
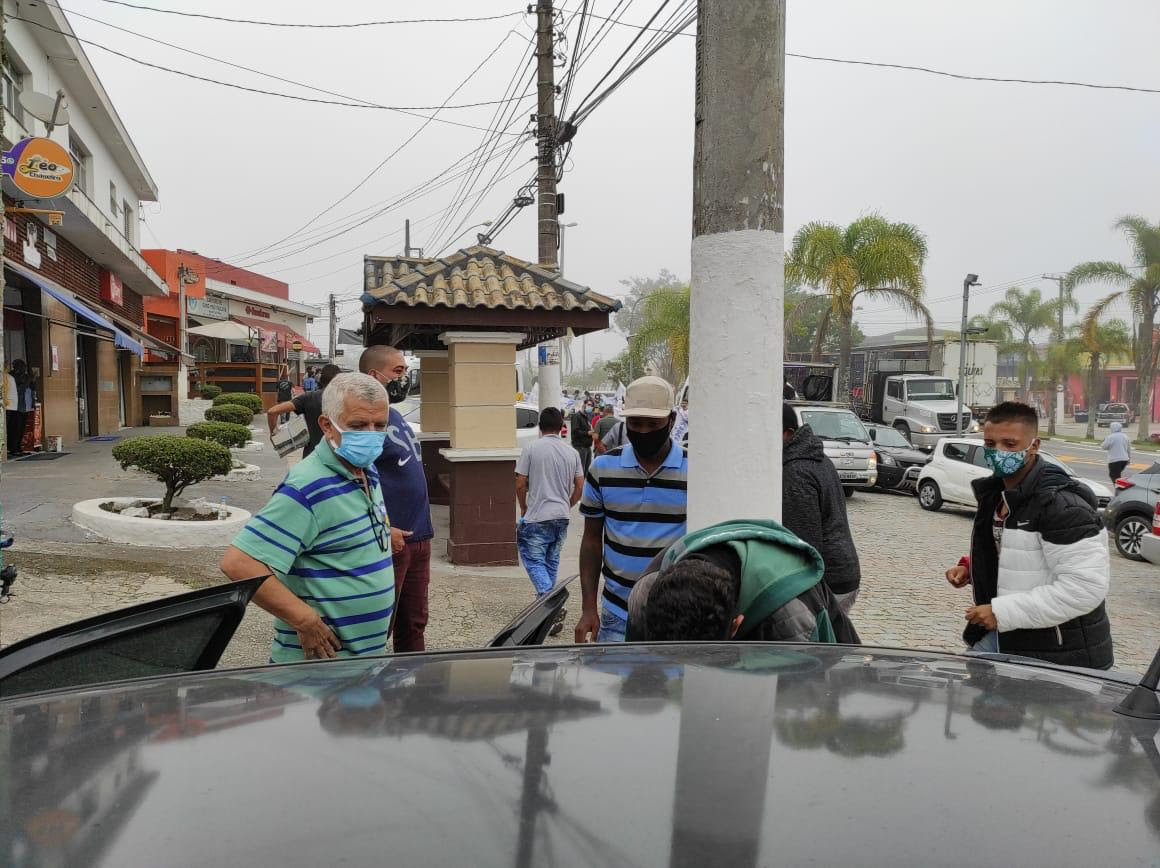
{"points": [[286, 335], [226, 330], [121, 338]]}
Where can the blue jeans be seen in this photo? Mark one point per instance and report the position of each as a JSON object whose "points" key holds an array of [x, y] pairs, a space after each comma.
{"points": [[988, 644], [539, 544], [612, 627]]}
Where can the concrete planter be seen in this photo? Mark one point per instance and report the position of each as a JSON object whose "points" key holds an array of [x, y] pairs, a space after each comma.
{"points": [[153, 532], [251, 446]]}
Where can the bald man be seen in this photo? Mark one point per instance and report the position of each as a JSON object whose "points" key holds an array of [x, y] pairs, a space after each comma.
{"points": [[405, 492]]}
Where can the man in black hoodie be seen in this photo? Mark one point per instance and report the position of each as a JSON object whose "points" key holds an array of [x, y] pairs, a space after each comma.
{"points": [[814, 507], [1038, 565]]}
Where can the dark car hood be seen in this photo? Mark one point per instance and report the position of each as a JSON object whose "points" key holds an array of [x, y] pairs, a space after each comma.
{"points": [[904, 453], [729, 754]]}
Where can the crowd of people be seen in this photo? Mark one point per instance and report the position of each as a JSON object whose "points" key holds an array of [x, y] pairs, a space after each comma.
{"points": [[346, 538]]}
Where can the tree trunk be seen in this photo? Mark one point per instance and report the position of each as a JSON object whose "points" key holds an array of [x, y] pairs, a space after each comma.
{"points": [[1090, 400], [1052, 407], [1146, 371], [167, 501], [845, 341]]}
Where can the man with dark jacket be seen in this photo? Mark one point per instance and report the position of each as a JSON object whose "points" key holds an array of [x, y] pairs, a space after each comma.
{"points": [[1038, 566], [814, 507]]}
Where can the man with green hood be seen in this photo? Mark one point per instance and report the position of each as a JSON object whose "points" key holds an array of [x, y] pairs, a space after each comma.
{"points": [[738, 579]]}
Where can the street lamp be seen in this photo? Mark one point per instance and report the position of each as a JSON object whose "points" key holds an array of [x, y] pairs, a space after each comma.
{"points": [[968, 281], [482, 237], [564, 226]]}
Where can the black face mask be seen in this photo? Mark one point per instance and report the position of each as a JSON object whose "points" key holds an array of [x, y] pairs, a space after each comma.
{"points": [[649, 444], [397, 389]]}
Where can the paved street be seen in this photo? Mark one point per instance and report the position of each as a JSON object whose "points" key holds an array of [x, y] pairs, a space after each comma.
{"points": [[67, 575]]}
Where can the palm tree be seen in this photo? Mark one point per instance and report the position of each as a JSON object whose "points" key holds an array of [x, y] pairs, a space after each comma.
{"points": [[1016, 320], [1140, 286], [871, 258], [1099, 342], [663, 330]]}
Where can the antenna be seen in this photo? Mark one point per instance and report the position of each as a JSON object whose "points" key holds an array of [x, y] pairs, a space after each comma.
{"points": [[51, 111]]}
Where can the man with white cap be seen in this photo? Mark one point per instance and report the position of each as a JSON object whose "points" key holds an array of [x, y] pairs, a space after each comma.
{"points": [[634, 507]]}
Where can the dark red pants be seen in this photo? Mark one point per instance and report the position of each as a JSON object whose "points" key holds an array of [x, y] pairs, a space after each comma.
{"points": [[412, 578]]}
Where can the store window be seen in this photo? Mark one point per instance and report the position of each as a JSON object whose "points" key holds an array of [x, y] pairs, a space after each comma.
{"points": [[13, 85], [82, 162], [127, 216], [114, 203]]}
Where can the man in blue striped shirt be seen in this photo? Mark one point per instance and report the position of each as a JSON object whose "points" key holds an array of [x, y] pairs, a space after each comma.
{"points": [[324, 539], [634, 507]]}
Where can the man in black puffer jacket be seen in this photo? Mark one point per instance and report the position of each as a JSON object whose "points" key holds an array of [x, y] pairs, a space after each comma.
{"points": [[1038, 565], [814, 507]]}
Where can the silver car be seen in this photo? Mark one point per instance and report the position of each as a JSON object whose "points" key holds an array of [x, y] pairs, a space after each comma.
{"points": [[846, 442]]}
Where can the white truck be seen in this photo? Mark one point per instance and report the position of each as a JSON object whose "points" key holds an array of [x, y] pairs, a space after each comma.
{"points": [[918, 397]]}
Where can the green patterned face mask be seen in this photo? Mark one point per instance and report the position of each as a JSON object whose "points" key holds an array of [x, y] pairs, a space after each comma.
{"points": [[1004, 463]]}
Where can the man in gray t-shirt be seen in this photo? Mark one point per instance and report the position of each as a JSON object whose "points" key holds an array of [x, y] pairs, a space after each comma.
{"points": [[549, 482]]}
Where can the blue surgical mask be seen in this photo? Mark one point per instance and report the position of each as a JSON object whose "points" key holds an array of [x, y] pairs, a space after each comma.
{"points": [[1005, 463], [360, 448]]}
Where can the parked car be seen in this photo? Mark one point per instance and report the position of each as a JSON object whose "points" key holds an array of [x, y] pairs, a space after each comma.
{"points": [[728, 753], [1079, 414], [1109, 413], [898, 461], [958, 461], [845, 440], [1129, 515]]}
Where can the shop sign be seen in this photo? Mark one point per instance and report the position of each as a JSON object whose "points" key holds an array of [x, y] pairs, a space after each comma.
{"points": [[111, 289], [257, 311], [39, 168], [208, 308]]}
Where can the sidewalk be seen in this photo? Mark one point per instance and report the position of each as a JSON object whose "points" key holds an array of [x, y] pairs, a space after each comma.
{"points": [[67, 573]]}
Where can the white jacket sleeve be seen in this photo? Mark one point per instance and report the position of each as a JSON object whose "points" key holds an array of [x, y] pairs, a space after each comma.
{"points": [[1079, 579]]}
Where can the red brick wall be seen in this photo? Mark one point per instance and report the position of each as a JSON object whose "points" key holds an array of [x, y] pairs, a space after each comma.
{"points": [[72, 269]]}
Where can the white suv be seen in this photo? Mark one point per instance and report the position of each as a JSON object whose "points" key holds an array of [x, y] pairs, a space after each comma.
{"points": [[959, 461]]}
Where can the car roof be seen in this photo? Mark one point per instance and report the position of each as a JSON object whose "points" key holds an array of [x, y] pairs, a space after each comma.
{"points": [[737, 753], [822, 407]]}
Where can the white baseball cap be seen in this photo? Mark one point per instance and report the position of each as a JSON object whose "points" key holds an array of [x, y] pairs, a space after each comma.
{"points": [[648, 398]]}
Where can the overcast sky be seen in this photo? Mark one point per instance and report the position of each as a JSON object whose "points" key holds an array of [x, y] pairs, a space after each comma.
{"points": [[1008, 181]]}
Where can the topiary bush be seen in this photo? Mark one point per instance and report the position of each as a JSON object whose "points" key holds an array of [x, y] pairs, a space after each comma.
{"points": [[241, 399], [226, 433], [178, 462], [209, 392], [229, 413]]}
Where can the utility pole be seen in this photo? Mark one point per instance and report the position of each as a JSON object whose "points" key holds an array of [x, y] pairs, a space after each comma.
{"points": [[1057, 387], [185, 275], [737, 331], [548, 226], [333, 327], [968, 281], [407, 237]]}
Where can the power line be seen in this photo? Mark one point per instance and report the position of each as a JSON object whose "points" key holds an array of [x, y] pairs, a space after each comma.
{"points": [[389, 156], [923, 69], [290, 24], [234, 86]]}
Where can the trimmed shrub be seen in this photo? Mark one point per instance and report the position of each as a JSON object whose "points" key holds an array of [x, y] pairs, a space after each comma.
{"points": [[229, 413], [178, 462], [241, 399], [226, 433], [210, 391]]}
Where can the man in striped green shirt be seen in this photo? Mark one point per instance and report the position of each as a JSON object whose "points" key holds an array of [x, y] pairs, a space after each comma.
{"points": [[324, 537]]}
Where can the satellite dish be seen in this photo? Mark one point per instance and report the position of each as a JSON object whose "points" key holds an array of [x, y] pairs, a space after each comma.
{"points": [[45, 108]]}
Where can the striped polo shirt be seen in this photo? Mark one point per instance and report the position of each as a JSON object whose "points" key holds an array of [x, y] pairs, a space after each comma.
{"points": [[642, 515], [330, 544]]}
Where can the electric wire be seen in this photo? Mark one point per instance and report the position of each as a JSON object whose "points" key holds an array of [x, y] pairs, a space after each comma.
{"points": [[389, 156], [312, 26], [243, 67]]}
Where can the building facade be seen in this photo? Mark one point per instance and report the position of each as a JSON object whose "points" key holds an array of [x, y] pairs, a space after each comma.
{"points": [[74, 293], [238, 330]]}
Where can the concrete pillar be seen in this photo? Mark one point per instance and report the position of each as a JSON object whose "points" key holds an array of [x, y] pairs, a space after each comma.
{"points": [[736, 331], [482, 454], [435, 420], [548, 355]]}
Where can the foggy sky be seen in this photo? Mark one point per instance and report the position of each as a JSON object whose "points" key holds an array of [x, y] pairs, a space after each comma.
{"points": [[1008, 181]]}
